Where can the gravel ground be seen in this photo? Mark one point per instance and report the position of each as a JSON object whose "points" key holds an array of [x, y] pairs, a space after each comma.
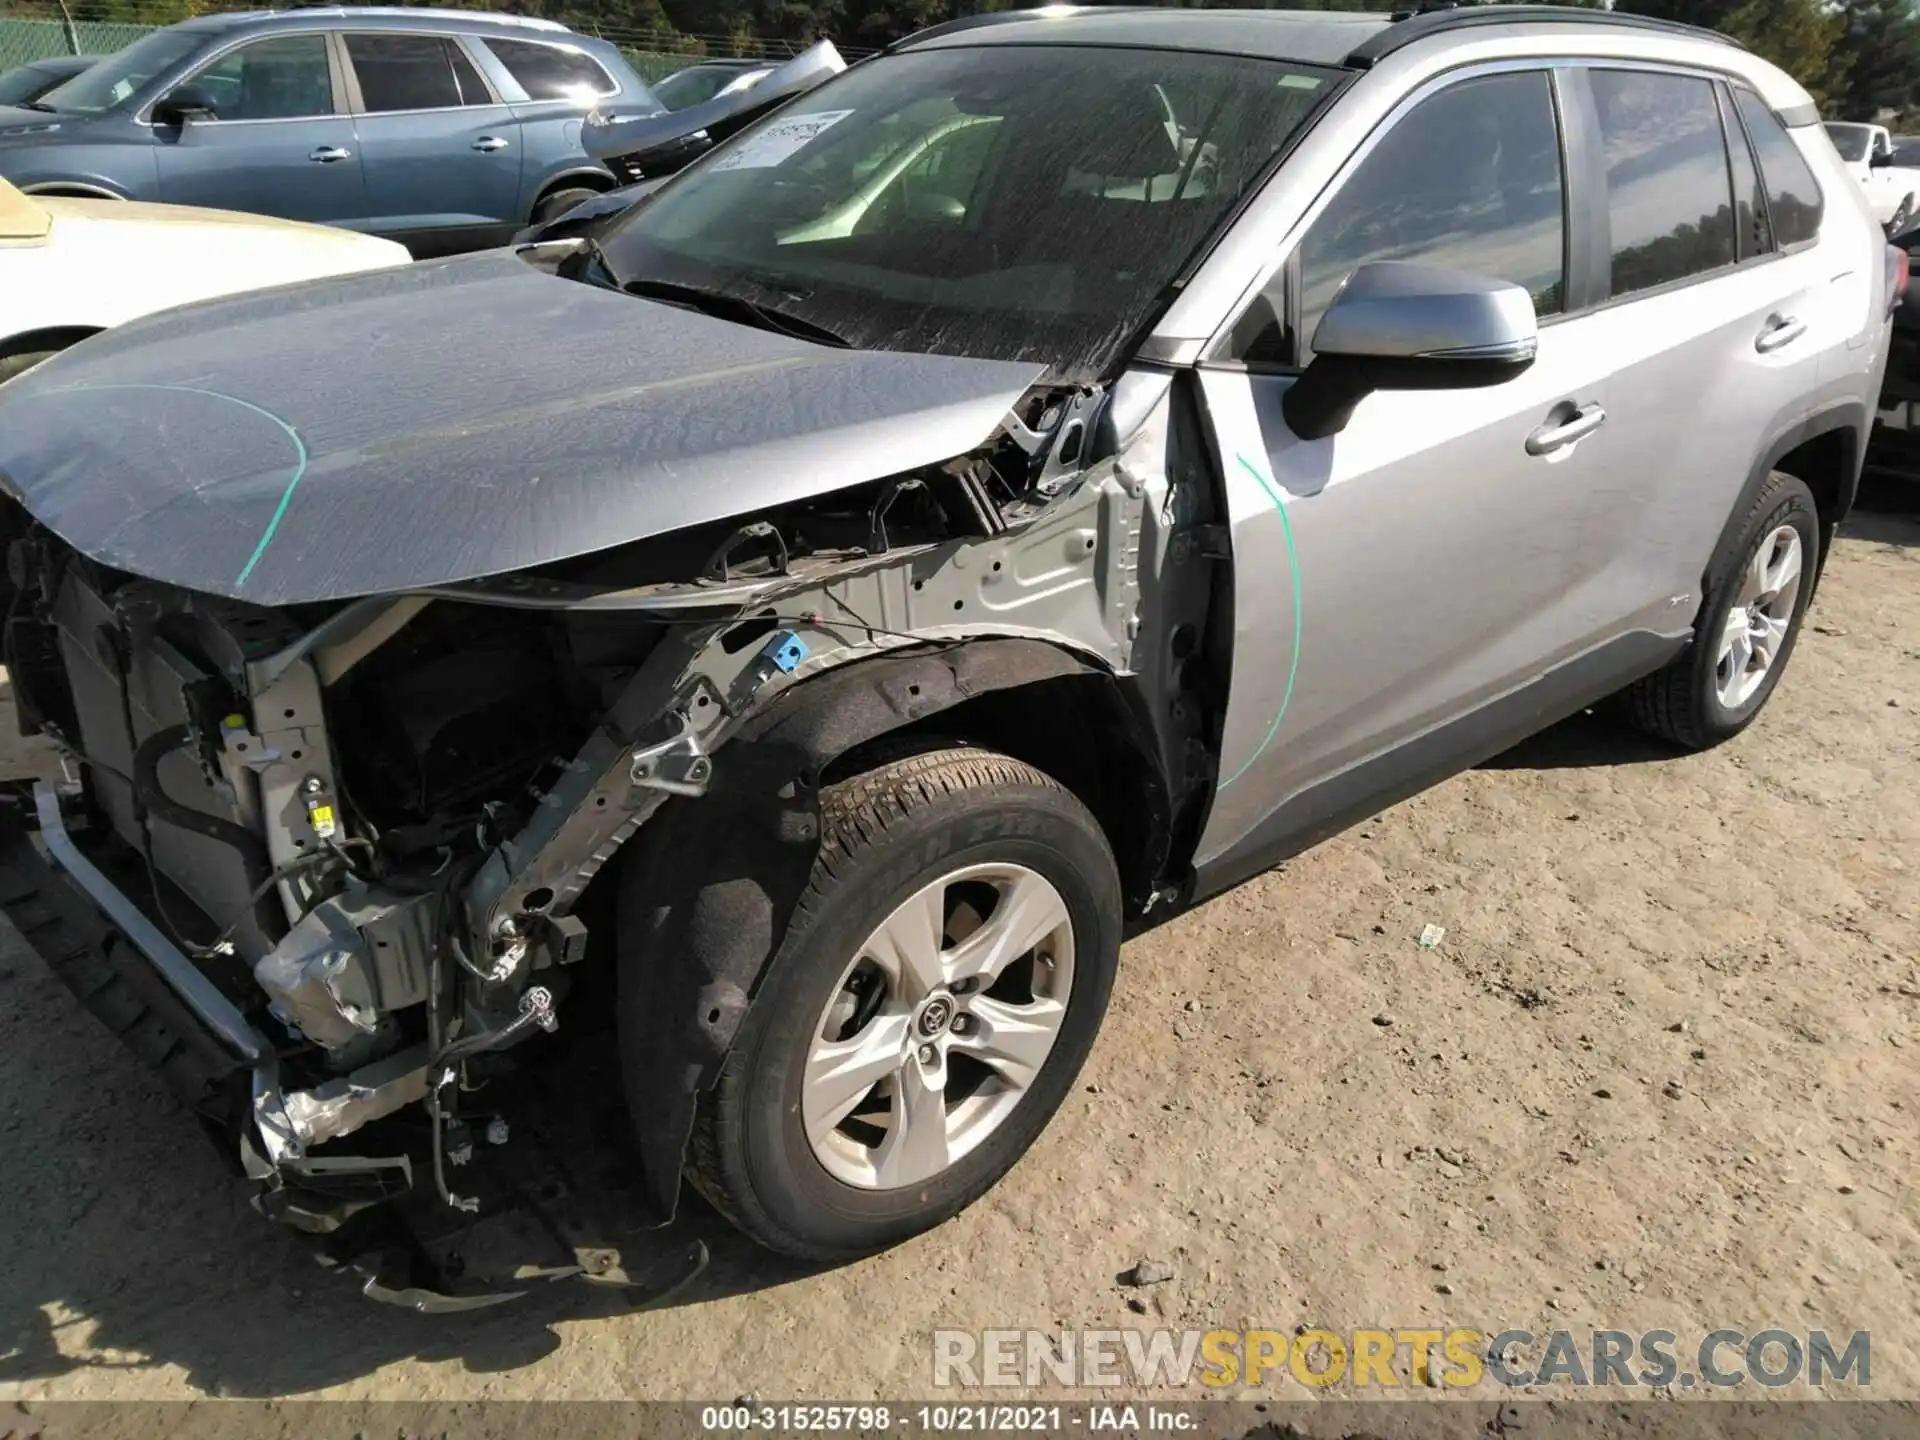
{"points": [[1660, 1073]]}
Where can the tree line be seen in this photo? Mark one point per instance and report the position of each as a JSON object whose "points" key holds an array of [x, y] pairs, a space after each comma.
{"points": [[1859, 58]]}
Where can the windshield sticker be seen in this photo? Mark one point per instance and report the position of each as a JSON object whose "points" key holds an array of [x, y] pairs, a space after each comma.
{"points": [[779, 140]]}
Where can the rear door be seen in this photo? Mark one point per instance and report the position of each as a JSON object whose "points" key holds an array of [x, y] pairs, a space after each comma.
{"points": [[1426, 561], [557, 83], [280, 143], [1713, 319], [439, 148]]}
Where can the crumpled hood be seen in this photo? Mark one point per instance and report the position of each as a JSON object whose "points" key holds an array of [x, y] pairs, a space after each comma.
{"points": [[446, 421]]}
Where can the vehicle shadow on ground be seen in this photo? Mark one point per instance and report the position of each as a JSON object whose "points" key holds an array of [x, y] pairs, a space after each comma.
{"points": [[1887, 510], [1591, 738], [240, 1307], [128, 1243]]}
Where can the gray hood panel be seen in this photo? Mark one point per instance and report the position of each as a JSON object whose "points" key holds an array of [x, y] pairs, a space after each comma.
{"points": [[451, 420]]}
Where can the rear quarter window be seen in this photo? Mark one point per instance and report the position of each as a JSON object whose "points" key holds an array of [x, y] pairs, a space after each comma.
{"points": [[548, 72], [1793, 195]]}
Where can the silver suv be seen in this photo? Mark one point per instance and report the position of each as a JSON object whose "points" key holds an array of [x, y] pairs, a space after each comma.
{"points": [[1046, 475]]}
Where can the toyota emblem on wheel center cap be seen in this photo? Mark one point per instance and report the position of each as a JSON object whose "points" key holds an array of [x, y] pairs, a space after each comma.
{"points": [[935, 1015]]}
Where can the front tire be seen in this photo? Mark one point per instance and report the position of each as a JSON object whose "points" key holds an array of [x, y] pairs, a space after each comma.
{"points": [[553, 206], [1758, 589], [925, 1014]]}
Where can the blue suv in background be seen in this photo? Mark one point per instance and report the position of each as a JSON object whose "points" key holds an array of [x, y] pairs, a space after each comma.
{"points": [[445, 129]]}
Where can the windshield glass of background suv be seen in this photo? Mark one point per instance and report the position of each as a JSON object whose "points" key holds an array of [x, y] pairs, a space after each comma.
{"points": [[690, 87], [1008, 202], [1852, 141], [117, 77]]}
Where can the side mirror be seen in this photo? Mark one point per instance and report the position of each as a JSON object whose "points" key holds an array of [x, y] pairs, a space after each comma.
{"points": [[184, 103], [1409, 327], [1880, 159]]}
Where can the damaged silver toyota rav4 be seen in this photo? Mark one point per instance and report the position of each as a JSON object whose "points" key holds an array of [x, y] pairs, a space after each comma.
{"points": [[1043, 477]]}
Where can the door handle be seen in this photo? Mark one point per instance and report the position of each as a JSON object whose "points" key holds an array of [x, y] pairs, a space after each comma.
{"points": [[1558, 434], [1780, 331], [327, 154], [490, 143]]}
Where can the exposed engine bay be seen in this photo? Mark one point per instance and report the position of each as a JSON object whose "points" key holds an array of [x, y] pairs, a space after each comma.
{"points": [[361, 835]]}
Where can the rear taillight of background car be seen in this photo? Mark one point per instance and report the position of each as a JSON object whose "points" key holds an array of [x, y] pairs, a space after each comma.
{"points": [[1899, 270]]}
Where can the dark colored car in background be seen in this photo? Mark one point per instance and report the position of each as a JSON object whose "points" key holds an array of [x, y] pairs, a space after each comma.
{"points": [[25, 84], [709, 78], [444, 129]]}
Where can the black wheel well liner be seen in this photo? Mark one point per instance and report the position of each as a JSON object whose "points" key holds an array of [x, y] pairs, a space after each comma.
{"points": [[707, 886], [1825, 452]]}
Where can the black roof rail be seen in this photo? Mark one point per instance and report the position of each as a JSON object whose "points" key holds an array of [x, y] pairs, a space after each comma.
{"points": [[1410, 26]]}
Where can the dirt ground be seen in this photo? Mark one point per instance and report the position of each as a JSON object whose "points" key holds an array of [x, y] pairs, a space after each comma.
{"points": [[1663, 1071]]}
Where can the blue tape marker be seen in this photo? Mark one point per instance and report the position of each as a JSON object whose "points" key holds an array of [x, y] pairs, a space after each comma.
{"points": [[1293, 663]]}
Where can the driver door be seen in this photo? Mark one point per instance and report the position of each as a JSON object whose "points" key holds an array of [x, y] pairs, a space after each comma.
{"points": [[280, 143], [1399, 584]]}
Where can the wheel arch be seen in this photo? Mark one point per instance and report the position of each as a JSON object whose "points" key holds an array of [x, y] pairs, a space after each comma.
{"points": [[73, 189], [1825, 452], [588, 177], [706, 888], [51, 337]]}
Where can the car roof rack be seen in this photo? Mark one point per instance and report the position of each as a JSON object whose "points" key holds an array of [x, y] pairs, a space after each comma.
{"points": [[487, 17], [1003, 17], [1435, 19]]}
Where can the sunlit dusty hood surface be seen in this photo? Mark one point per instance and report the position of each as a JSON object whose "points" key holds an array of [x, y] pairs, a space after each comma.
{"points": [[444, 422]]}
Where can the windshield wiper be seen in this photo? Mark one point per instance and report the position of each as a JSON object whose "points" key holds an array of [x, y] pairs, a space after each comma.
{"points": [[725, 305], [39, 105]]}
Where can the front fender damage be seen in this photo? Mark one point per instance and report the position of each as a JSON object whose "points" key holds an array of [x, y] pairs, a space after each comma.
{"points": [[437, 912]]}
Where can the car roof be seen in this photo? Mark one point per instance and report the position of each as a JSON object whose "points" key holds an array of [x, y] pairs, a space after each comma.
{"points": [[1323, 37], [383, 17]]}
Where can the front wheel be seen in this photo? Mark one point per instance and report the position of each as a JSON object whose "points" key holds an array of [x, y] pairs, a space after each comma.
{"points": [[1758, 588], [934, 997]]}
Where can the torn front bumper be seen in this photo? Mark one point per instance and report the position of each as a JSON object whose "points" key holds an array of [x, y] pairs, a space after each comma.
{"points": [[78, 911]]}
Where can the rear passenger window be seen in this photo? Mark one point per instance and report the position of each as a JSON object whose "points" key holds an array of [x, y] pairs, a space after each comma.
{"points": [[1793, 197], [546, 72], [408, 72], [1469, 180], [473, 90], [1669, 193]]}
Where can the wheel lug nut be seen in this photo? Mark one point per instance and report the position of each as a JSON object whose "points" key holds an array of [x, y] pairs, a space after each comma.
{"points": [[928, 1054], [962, 1024]]}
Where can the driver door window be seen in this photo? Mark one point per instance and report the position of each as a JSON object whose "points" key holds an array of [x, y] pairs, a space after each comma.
{"points": [[285, 77], [1469, 179]]}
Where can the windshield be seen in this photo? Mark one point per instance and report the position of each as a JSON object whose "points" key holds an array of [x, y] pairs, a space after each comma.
{"points": [[1852, 141], [1008, 202], [117, 77], [690, 87]]}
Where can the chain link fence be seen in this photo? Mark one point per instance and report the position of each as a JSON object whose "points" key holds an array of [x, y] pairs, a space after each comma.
{"points": [[654, 54]]}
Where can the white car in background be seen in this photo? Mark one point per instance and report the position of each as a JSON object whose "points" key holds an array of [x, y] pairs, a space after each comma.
{"points": [[72, 267], [1868, 151]]}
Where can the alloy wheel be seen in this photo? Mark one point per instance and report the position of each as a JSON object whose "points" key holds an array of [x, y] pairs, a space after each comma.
{"points": [[938, 1027], [1756, 626]]}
